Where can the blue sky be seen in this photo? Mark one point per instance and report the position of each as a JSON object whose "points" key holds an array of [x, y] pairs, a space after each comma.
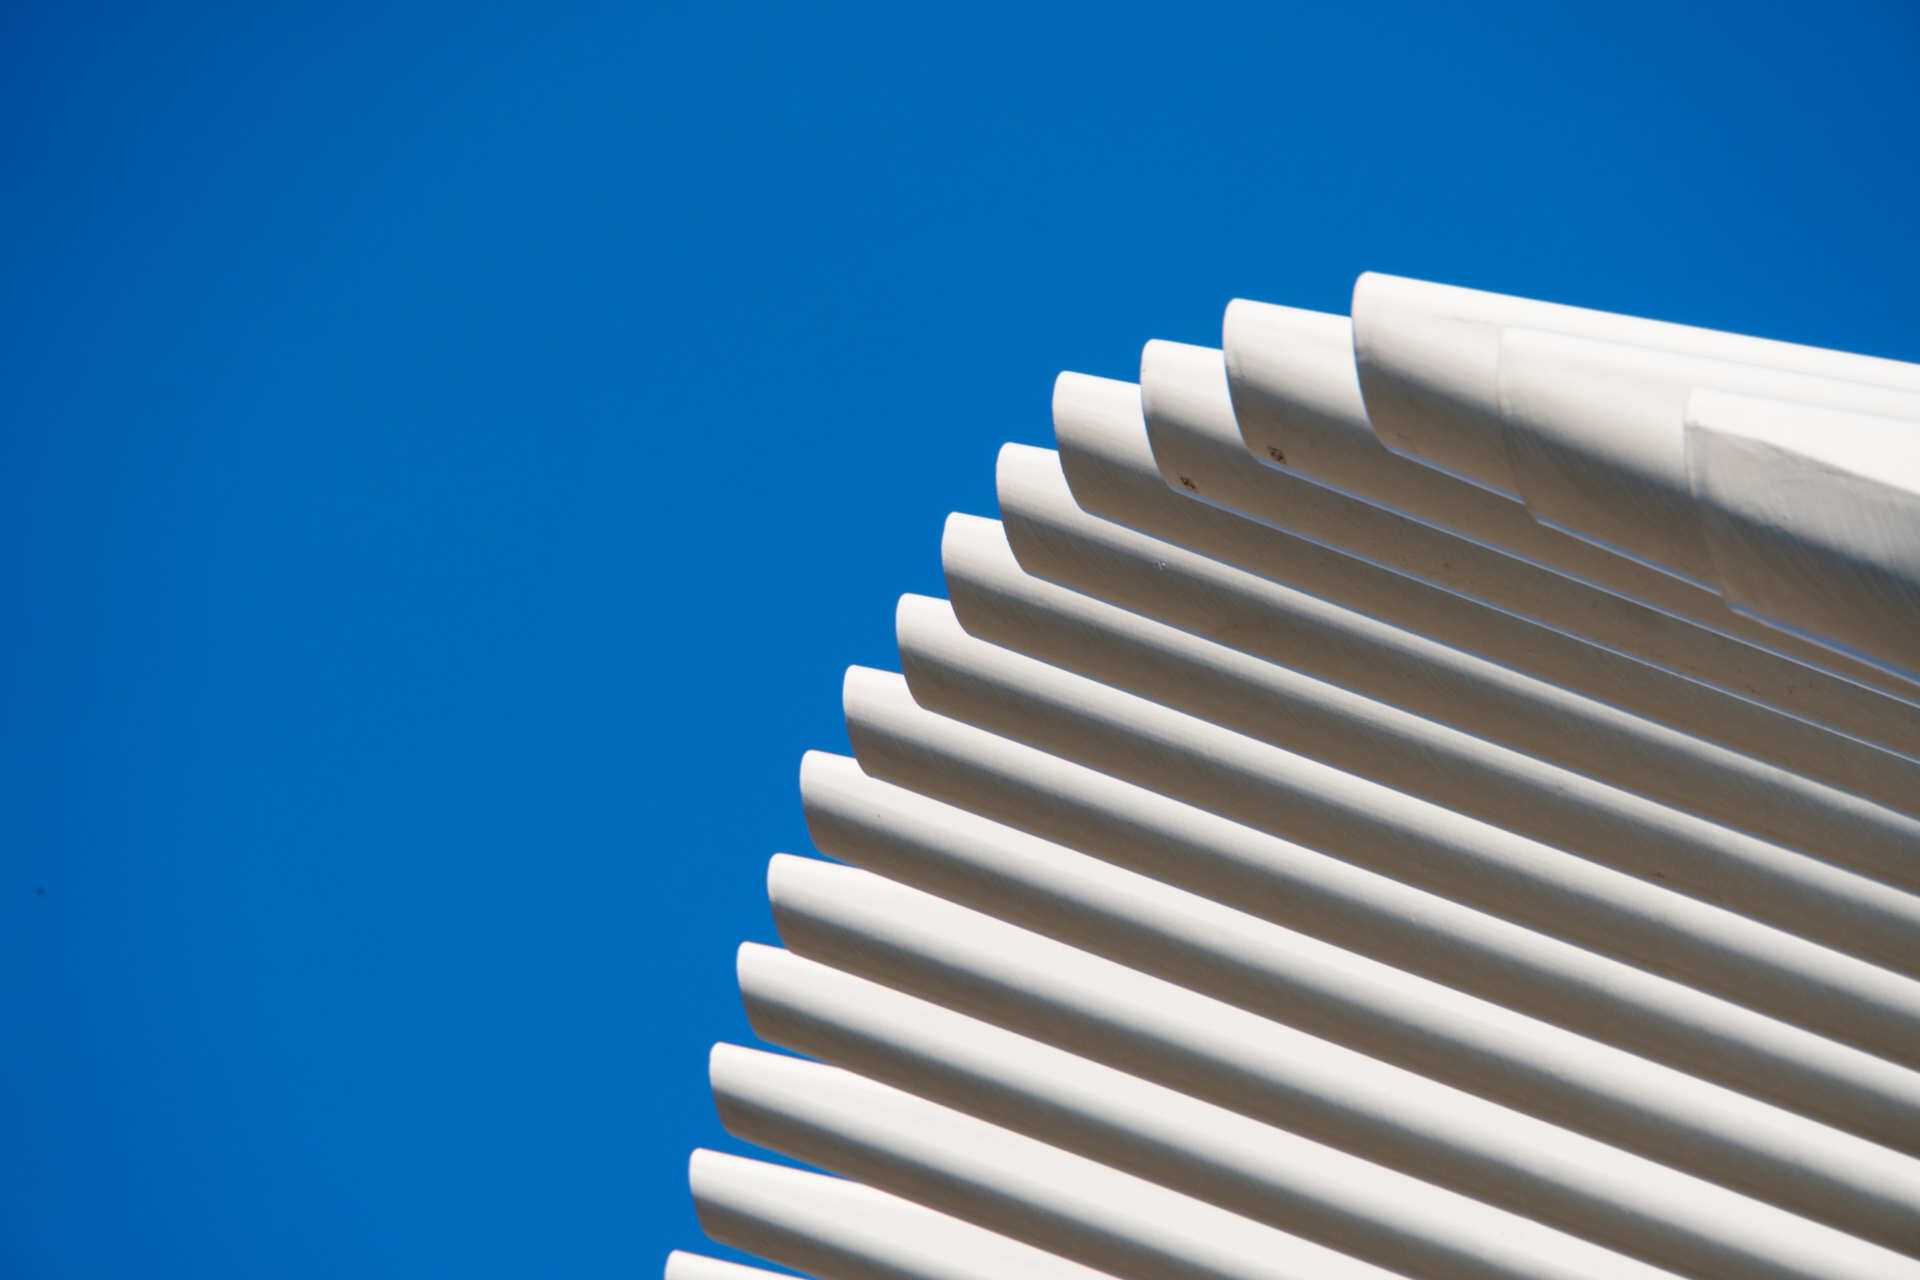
{"points": [[448, 454]]}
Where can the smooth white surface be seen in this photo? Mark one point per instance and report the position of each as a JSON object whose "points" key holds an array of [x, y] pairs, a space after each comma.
{"points": [[995, 601], [1596, 437], [1339, 995], [840, 1230], [1079, 808], [1812, 518], [1197, 446], [1297, 404], [691, 1266], [1262, 1070], [1111, 473], [1000, 1180], [1427, 357], [1253, 877], [1261, 1172], [1412, 840]]}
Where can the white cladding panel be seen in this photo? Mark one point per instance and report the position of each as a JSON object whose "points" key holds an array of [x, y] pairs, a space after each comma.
{"points": [[1429, 795]]}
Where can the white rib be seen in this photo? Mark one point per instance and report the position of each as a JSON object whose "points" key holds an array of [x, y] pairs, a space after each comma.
{"points": [[1428, 361], [1288, 630], [996, 1179], [1198, 449], [1596, 437], [1288, 795], [1110, 470], [1812, 518], [1296, 401], [1256, 1170], [691, 1266], [841, 1230], [1265, 1071], [1338, 995], [1286, 858], [1079, 808], [996, 602]]}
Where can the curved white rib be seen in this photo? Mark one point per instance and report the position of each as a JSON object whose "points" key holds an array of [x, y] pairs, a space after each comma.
{"points": [[1196, 444], [898, 741], [1261, 1172], [1812, 519], [996, 602], [1111, 472], [1260, 1069], [1284, 858], [691, 1266], [841, 1230], [1596, 437], [1340, 996], [1053, 539], [1296, 402], [1428, 361], [1413, 840], [1000, 1180]]}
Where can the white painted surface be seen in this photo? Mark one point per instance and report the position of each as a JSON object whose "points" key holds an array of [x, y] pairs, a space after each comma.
{"points": [[1297, 405], [1293, 630], [1411, 840], [1267, 1072], [999, 1180], [1254, 878], [691, 1266], [836, 1229], [1197, 446], [1082, 809], [1256, 1170], [1596, 437], [1339, 995], [1428, 361], [1111, 473], [995, 601], [1812, 519]]}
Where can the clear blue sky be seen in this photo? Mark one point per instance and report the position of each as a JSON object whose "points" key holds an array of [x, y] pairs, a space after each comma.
{"points": [[448, 454]]}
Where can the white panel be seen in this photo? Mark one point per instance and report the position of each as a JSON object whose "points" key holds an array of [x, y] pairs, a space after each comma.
{"points": [[1297, 404], [835, 1229], [1269, 1072], [1290, 855], [691, 1266], [1410, 839], [1428, 362], [1259, 1171], [1337, 994], [1812, 518], [1111, 472], [1053, 539], [1197, 446], [998, 603], [999, 1180], [1596, 439]]}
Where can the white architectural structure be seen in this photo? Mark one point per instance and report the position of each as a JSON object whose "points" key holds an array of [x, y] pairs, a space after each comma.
{"points": [[1435, 794]]}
